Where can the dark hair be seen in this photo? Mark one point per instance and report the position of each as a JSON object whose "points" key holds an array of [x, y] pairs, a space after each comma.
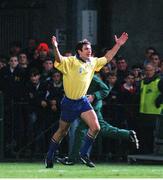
{"points": [[155, 54], [130, 73], [34, 72], [55, 71], [119, 58], [137, 66], [48, 58], [150, 48], [80, 45], [112, 73], [23, 52]]}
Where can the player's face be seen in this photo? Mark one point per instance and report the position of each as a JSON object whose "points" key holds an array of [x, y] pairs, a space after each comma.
{"points": [[86, 52]]}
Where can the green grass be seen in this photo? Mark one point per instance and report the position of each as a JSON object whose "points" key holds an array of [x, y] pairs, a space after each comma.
{"points": [[37, 170]]}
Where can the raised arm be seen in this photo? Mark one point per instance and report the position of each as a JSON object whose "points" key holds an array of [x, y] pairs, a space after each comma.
{"points": [[58, 56], [119, 42]]}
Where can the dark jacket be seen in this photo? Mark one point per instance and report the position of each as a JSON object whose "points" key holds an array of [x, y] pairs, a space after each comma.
{"points": [[36, 94], [12, 83]]}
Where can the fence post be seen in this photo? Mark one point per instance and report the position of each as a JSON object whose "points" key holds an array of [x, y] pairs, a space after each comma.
{"points": [[1, 126]]}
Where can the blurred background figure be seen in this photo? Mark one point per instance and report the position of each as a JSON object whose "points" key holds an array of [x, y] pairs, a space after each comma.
{"points": [[148, 52]]}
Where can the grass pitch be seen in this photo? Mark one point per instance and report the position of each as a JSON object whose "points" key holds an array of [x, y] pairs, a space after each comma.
{"points": [[110, 170]]}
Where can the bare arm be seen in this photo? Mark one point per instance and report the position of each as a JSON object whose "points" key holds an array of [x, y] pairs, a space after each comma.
{"points": [[58, 56], [119, 42]]}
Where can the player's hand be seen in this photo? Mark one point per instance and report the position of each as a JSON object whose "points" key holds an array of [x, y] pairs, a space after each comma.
{"points": [[122, 39], [54, 41]]}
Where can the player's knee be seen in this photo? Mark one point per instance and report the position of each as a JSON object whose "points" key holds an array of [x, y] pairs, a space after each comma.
{"points": [[96, 129]]}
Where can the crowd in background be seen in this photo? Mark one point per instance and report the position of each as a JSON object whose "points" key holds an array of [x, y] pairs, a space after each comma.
{"points": [[32, 90]]}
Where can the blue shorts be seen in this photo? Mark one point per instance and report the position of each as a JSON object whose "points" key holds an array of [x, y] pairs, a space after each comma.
{"points": [[72, 109]]}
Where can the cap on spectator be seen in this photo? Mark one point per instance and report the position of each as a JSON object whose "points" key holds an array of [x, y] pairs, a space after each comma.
{"points": [[43, 46]]}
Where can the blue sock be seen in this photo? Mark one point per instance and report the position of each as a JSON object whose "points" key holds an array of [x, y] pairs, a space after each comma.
{"points": [[52, 149], [86, 146]]}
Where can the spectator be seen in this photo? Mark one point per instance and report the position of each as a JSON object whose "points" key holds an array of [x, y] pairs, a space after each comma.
{"points": [[12, 85], [48, 68], [36, 92], [127, 98], [31, 47], [3, 61], [161, 69], [150, 99], [138, 74], [122, 69], [155, 60], [23, 61], [110, 102], [56, 90], [41, 53], [15, 48], [12, 79], [148, 52]]}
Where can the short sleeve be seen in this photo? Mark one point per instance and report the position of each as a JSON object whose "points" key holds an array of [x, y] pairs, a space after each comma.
{"points": [[100, 62], [63, 66]]}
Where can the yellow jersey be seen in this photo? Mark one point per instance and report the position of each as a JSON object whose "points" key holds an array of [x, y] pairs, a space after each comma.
{"points": [[77, 75]]}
